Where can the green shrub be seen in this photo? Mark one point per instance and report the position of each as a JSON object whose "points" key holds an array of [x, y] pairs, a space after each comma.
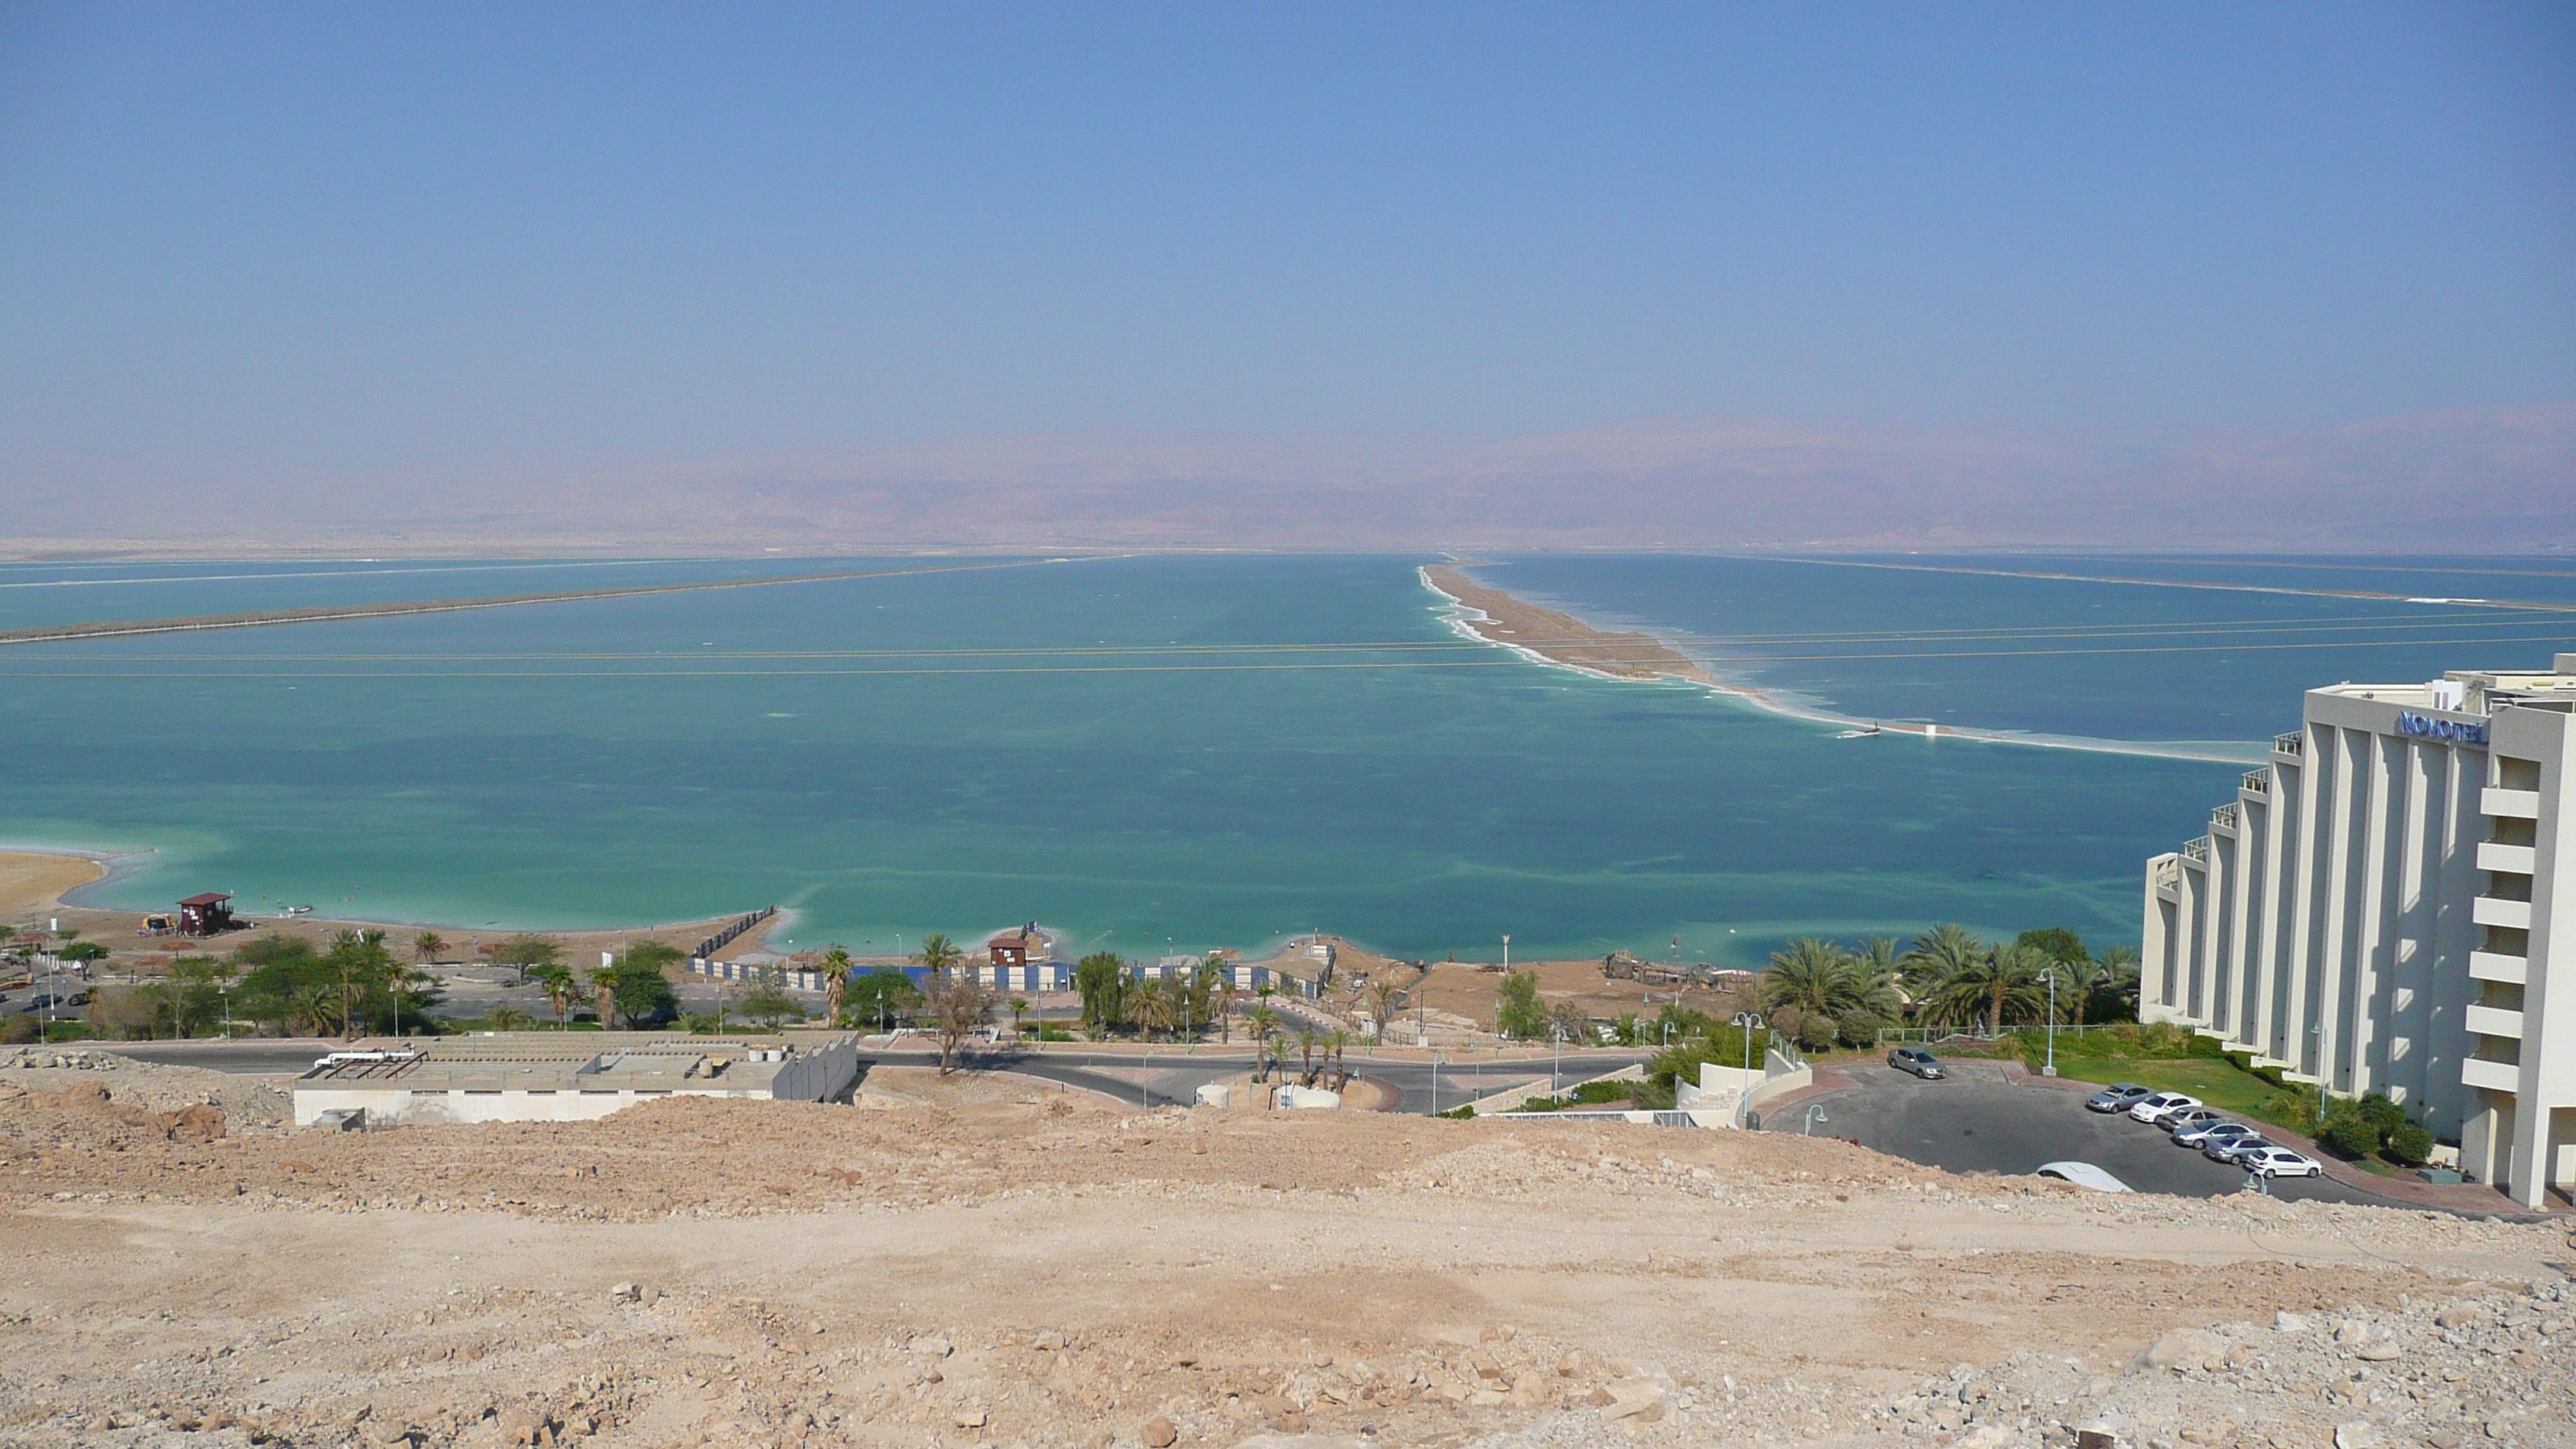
{"points": [[1460, 1114], [2206, 1046], [1857, 1031], [2349, 1134], [1815, 1031], [2410, 1144], [2383, 1114]]}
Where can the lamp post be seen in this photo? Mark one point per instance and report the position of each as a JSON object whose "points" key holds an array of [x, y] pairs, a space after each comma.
{"points": [[1815, 1114], [2051, 1069], [1435, 1084], [1748, 1023], [1507, 953]]}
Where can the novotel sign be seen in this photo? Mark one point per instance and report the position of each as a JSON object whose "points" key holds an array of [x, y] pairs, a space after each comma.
{"points": [[2410, 723]]}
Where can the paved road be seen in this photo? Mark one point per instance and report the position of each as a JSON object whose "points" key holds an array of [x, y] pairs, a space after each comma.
{"points": [[255, 1057], [1975, 1121], [1174, 1077]]}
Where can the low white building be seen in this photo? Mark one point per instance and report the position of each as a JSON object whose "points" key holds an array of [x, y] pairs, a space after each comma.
{"points": [[544, 1076], [2375, 911]]}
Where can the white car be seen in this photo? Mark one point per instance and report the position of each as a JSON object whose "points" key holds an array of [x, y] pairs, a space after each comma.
{"points": [[2084, 1174], [2153, 1109], [2279, 1162]]}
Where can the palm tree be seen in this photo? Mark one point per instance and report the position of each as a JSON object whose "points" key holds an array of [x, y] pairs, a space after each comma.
{"points": [[836, 983], [1996, 980], [1816, 977], [1334, 1044], [506, 1018], [939, 953], [1265, 1020], [2076, 983], [561, 989], [1153, 1009], [1225, 1014], [1306, 1044], [1382, 995], [2120, 966], [428, 946], [1937, 953]]}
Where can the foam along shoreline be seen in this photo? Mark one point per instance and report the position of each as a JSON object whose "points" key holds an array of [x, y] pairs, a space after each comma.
{"points": [[1547, 636]]}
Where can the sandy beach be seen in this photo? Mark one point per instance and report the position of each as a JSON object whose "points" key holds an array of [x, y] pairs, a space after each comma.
{"points": [[33, 884]]}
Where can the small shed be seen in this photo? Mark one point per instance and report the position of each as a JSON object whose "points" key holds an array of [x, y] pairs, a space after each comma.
{"points": [[206, 914]]}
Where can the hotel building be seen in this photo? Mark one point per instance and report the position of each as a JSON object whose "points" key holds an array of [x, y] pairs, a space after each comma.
{"points": [[2390, 906]]}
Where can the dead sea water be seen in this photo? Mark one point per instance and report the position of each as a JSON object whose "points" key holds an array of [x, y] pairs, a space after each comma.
{"points": [[1147, 753]]}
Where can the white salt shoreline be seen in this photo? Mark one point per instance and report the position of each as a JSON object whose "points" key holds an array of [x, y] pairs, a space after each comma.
{"points": [[1462, 618]]}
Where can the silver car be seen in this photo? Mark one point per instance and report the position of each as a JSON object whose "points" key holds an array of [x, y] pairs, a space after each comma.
{"points": [[2234, 1149], [2206, 1138], [2153, 1109], [2187, 1124]]}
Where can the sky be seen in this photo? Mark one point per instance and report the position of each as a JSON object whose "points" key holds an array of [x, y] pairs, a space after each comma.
{"points": [[293, 246]]}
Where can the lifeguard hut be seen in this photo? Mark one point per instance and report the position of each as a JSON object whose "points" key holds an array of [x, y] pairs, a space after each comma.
{"points": [[205, 915]]}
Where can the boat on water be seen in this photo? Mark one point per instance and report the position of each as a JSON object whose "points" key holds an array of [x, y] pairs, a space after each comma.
{"points": [[1857, 734]]}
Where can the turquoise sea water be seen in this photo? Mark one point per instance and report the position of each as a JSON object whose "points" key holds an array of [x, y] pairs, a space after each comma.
{"points": [[1140, 752], [1981, 642]]}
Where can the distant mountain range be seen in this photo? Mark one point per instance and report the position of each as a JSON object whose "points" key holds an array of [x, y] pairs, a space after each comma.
{"points": [[2499, 479]]}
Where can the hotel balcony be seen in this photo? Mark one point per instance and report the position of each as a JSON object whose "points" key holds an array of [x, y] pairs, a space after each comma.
{"points": [[2488, 911], [2497, 966], [2167, 871], [2257, 783], [2510, 804], [2494, 1076], [2196, 851], [2514, 858], [2224, 818], [2494, 1021], [2291, 745]]}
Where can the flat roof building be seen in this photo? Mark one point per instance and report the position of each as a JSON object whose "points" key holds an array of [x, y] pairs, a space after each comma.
{"points": [[550, 1076], [2376, 910]]}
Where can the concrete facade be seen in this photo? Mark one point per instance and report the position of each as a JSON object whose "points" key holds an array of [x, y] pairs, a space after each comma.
{"points": [[564, 1076], [2374, 911]]}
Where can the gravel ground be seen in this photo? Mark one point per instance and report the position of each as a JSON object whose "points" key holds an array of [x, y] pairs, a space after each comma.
{"points": [[1004, 1265]]}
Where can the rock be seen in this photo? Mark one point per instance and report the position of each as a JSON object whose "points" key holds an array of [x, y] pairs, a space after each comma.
{"points": [[1049, 1342], [626, 1293], [2458, 1315], [971, 1418], [1302, 1441], [2183, 1348], [2289, 1323], [1988, 1436], [932, 1344], [1159, 1433], [1639, 1399], [2380, 1350], [2356, 1434], [2350, 1332]]}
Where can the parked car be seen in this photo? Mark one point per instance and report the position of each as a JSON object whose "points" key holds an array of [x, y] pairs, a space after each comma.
{"points": [[1918, 1061], [2234, 1150], [2206, 1137], [2084, 1174], [2154, 1107], [2117, 1097], [2280, 1162], [2192, 1120]]}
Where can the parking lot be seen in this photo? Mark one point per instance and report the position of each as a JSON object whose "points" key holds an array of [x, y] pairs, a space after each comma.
{"points": [[1975, 1121]]}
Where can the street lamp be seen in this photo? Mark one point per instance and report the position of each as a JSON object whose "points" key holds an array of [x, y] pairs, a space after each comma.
{"points": [[1747, 1023], [1435, 1084], [2051, 1069], [1815, 1114], [1507, 953]]}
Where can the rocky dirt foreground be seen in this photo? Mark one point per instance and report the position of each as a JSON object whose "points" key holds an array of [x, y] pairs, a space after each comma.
{"points": [[1007, 1266]]}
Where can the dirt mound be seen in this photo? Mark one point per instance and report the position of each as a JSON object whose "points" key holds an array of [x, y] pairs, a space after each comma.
{"points": [[248, 1106], [999, 1265]]}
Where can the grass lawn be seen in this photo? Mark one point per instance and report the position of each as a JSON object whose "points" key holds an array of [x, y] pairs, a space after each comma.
{"points": [[2214, 1080]]}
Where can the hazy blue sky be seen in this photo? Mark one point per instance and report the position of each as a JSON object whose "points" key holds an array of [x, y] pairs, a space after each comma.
{"points": [[362, 239]]}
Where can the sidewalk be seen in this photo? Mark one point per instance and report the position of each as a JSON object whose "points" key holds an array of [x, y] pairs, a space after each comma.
{"points": [[2458, 1197]]}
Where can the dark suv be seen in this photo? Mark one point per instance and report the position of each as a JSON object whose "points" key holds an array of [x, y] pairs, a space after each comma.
{"points": [[1918, 1061]]}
